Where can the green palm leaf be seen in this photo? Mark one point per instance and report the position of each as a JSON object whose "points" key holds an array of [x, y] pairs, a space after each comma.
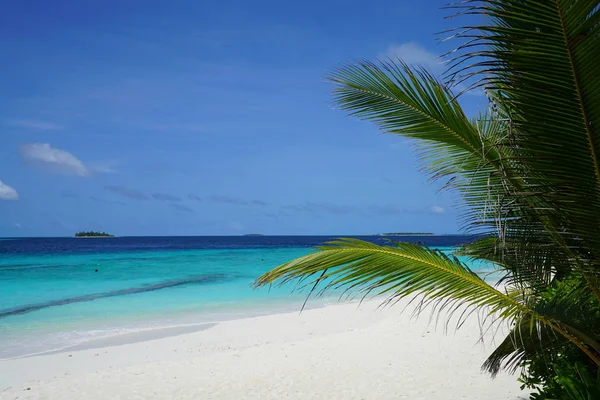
{"points": [[534, 263], [406, 269], [530, 339], [413, 103], [541, 60]]}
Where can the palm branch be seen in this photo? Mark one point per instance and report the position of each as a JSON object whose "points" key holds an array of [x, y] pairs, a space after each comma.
{"points": [[405, 269], [540, 59]]}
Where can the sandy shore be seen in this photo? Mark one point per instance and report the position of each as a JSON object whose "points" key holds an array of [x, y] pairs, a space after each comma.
{"points": [[337, 352]]}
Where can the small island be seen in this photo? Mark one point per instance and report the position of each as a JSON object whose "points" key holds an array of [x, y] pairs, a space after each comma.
{"points": [[254, 234], [92, 234]]}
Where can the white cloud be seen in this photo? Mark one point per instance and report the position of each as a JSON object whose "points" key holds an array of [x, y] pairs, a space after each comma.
{"points": [[55, 159], [414, 54], [33, 124], [7, 192], [437, 209]]}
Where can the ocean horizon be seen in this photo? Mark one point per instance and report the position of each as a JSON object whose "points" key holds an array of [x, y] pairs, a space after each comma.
{"points": [[61, 293]]}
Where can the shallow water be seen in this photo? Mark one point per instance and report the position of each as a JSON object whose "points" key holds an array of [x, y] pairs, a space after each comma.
{"points": [[62, 292]]}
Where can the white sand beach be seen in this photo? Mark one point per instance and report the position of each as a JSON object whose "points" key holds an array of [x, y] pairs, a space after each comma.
{"points": [[337, 352]]}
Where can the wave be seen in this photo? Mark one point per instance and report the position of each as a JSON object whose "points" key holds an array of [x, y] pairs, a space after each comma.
{"points": [[198, 279]]}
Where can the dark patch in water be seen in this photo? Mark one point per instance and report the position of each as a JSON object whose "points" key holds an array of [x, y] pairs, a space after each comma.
{"points": [[199, 279], [30, 267], [18, 265]]}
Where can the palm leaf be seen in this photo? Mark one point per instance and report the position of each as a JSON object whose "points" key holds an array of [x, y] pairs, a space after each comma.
{"points": [[413, 103], [406, 269], [530, 339], [525, 341], [540, 59], [534, 263]]}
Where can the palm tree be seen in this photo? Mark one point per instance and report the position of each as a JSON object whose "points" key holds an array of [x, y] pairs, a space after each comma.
{"points": [[528, 171]]}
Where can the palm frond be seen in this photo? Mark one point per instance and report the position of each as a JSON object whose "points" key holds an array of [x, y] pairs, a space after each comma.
{"points": [[402, 269], [540, 60], [529, 339], [411, 102], [532, 263], [406, 269], [526, 340], [404, 100]]}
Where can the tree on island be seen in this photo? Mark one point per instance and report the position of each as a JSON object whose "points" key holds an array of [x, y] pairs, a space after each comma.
{"points": [[92, 234], [529, 171]]}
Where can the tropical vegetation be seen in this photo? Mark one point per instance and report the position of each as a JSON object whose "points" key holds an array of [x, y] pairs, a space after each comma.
{"points": [[93, 234], [528, 172]]}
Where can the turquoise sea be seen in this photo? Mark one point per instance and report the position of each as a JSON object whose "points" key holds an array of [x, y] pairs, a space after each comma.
{"points": [[61, 292]]}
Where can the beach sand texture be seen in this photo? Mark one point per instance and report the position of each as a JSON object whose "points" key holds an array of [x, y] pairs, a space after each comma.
{"points": [[342, 351]]}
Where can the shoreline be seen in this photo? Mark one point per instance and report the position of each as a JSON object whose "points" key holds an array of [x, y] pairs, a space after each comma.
{"points": [[342, 351], [92, 332], [119, 330], [121, 339]]}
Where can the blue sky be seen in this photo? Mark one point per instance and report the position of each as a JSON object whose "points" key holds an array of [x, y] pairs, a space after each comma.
{"points": [[143, 117]]}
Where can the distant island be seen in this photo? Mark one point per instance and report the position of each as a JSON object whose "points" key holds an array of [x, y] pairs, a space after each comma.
{"points": [[254, 234], [92, 234], [406, 234]]}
